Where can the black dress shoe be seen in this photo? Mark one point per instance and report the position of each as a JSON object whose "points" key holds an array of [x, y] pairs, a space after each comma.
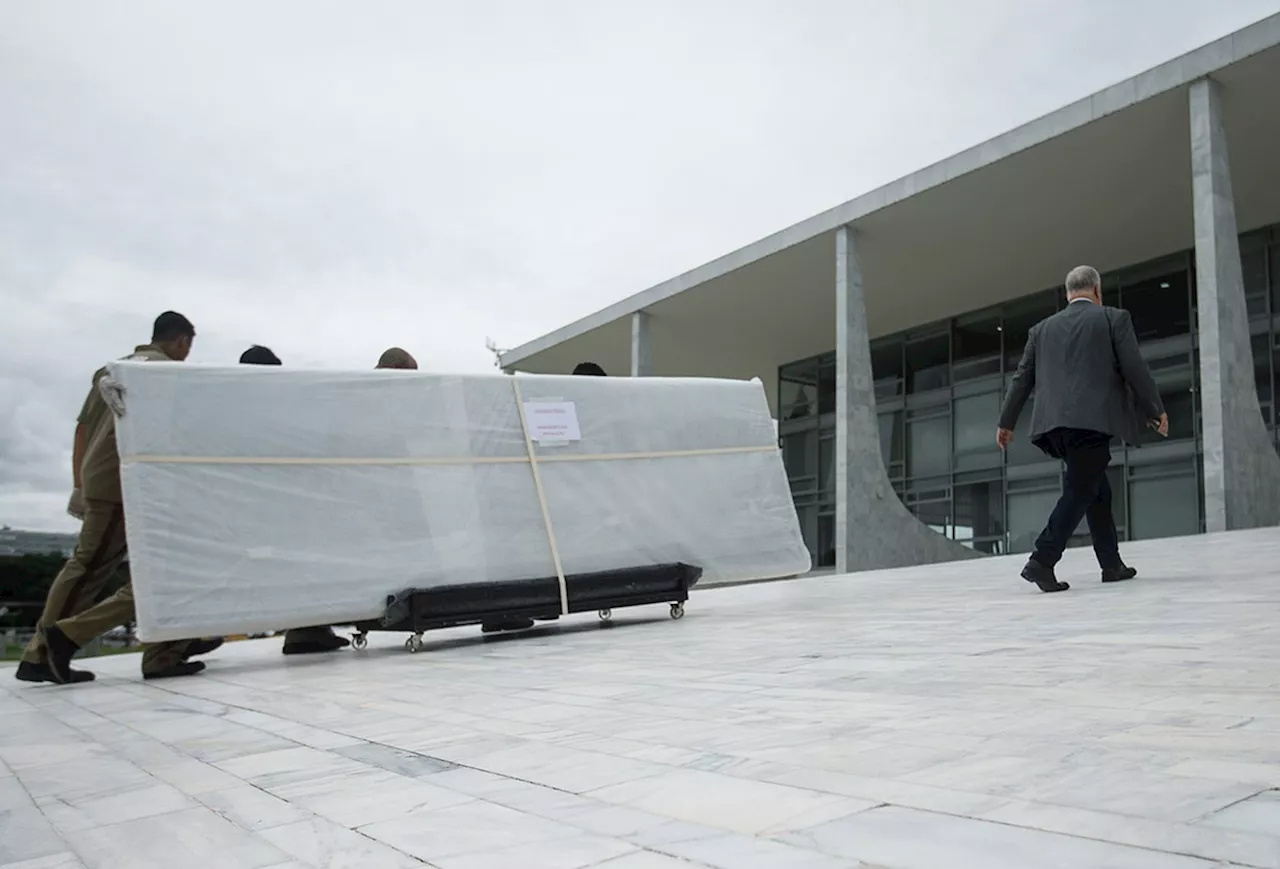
{"points": [[1118, 574], [29, 671], [315, 642], [196, 648], [1042, 576], [182, 668], [60, 652]]}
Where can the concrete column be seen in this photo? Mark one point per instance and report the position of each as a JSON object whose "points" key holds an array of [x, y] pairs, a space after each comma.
{"points": [[641, 357], [873, 527], [1241, 469]]}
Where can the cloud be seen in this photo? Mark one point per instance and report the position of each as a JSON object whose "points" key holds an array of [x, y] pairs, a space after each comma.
{"points": [[331, 181]]}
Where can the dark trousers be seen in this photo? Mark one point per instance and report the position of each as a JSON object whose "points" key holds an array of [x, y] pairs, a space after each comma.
{"points": [[1086, 494]]}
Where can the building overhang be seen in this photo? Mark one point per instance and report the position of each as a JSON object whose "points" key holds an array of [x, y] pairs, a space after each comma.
{"points": [[1104, 181]]}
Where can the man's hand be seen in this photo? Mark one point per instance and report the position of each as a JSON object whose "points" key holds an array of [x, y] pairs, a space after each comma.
{"points": [[1161, 425], [1004, 437], [75, 505]]}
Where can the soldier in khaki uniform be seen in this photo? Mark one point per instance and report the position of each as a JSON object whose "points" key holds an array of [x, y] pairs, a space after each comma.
{"points": [[69, 619]]}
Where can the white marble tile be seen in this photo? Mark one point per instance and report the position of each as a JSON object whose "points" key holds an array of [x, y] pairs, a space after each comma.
{"points": [[644, 860], [184, 838], [195, 777], [66, 860], [910, 839], [577, 852], [323, 844], [252, 809], [1196, 840], [26, 834], [468, 829], [113, 808], [720, 801], [745, 852], [1259, 814], [78, 781], [32, 755], [13, 795], [293, 759], [367, 798]]}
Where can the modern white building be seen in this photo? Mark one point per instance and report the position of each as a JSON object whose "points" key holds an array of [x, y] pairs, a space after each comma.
{"points": [[886, 328]]}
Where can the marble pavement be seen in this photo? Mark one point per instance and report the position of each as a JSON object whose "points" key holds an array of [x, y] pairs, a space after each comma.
{"points": [[939, 717]]}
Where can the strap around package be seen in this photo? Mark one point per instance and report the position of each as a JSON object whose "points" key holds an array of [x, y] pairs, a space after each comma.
{"points": [[437, 460], [542, 500]]}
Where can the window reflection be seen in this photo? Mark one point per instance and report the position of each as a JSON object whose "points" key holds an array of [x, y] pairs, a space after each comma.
{"points": [[976, 343], [887, 367], [928, 364], [798, 390], [978, 515], [929, 446], [975, 419], [1164, 501], [1253, 265], [1019, 317], [1160, 307]]}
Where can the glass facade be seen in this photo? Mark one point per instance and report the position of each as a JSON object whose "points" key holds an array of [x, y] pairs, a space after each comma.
{"points": [[938, 392]]}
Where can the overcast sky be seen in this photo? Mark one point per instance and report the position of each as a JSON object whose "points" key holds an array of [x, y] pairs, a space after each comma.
{"points": [[333, 178]]}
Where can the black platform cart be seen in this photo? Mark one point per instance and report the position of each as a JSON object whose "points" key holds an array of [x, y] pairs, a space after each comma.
{"points": [[416, 611]]}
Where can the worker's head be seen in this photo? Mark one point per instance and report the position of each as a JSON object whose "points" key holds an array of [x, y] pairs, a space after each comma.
{"points": [[589, 368], [172, 334], [259, 355], [1084, 282], [397, 358]]}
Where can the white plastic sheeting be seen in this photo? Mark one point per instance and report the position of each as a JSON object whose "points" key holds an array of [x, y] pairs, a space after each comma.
{"points": [[262, 498]]}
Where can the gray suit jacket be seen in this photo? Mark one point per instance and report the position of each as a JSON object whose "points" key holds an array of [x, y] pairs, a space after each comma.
{"points": [[1087, 373]]}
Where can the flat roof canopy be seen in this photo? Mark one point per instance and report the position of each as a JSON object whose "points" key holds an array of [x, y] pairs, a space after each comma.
{"points": [[1105, 181]]}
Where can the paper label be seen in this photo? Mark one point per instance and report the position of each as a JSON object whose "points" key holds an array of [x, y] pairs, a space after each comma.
{"points": [[552, 422]]}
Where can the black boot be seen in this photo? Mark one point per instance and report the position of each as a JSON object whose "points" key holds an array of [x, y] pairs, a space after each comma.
{"points": [[1118, 574], [182, 668], [60, 652], [31, 671], [311, 641], [1043, 577]]}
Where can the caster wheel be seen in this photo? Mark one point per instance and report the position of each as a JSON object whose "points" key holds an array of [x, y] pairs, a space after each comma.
{"points": [[414, 644], [606, 615], [359, 642], [677, 610]]}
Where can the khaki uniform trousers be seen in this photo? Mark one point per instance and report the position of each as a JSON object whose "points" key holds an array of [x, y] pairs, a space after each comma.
{"points": [[100, 549]]}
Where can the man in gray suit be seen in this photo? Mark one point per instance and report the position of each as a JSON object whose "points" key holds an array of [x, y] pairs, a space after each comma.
{"points": [[1091, 384]]}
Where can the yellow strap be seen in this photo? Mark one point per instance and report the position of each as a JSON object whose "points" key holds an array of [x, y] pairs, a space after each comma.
{"points": [[441, 460], [542, 500]]}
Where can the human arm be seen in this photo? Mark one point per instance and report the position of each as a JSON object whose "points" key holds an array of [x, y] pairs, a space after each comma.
{"points": [[1136, 373], [1024, 380]]}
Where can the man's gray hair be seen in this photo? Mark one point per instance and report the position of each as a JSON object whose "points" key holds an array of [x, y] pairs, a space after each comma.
{"points": [[1081, 279]]}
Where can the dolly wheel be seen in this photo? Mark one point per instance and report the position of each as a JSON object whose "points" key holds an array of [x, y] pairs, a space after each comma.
{"points": [[606, 614], [677, 610], [359, 641]]}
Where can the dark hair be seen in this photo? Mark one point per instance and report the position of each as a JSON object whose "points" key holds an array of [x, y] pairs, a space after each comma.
{"points": [[589, 368], [395, 357], [259, 355], [170, 326]]}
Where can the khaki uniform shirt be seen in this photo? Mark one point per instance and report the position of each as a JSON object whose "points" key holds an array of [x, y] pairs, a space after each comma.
{"points": [[100, 468]]}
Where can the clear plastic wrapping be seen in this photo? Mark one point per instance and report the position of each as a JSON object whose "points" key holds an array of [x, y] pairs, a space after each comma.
{"points": [[262, 498]]}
